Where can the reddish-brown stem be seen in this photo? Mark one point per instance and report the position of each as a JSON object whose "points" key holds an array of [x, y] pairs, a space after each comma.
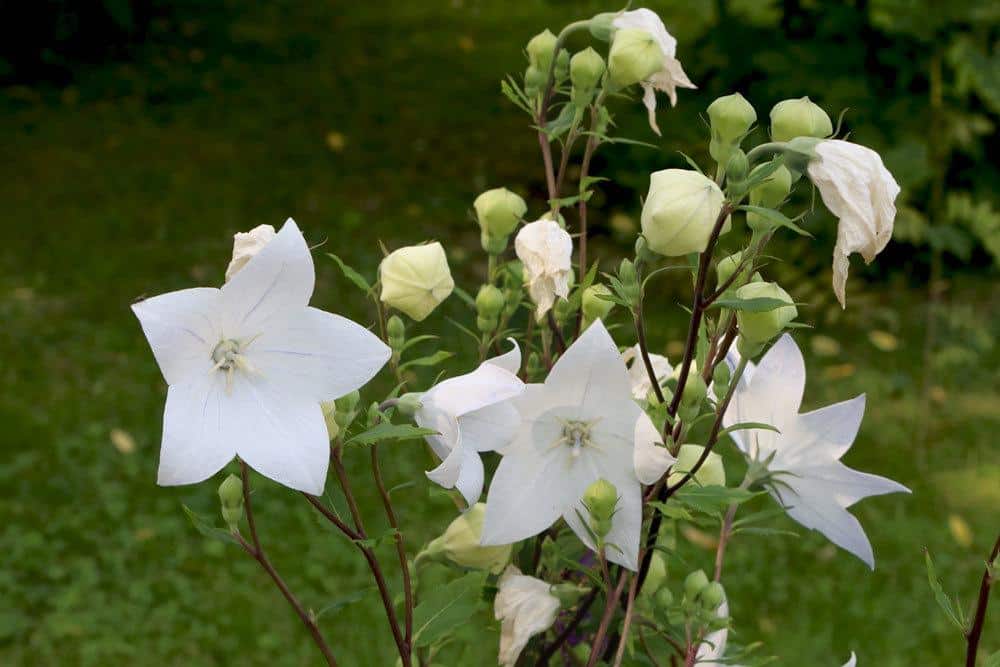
{"points": [[256, 551], [557, 333], [979, 619], [627, 624], [640, 333], [724, 534], [597, 648], [581, 613], [331, 517], [588, 153], [404, 567]]}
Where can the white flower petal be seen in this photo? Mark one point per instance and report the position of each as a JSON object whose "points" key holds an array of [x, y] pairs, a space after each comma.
{"points": [[713, 647], [591, 373], [279, 279], [484, 386], [491, 428], [182, 328], [470, 477], [824, 434], [626, 526], [318, 355], [852, 661], [525, 607], [246, 245], [546, 250], [638, 376], [197, 438], [651, 459], [509, 361]]}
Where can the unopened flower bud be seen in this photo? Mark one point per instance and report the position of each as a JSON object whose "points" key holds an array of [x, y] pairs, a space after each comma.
{"points": [[540, 50], [711, 473], [533, 367], [346, 408], [629, 278], [712, 596], [489, 302], [459, 544], [770, 194], [499, 211], [727, 266], [760, 327], [409, 403], [694, 584], [635, 56], [731, 117], [602, 25], [720, 379], [738, 166], [562, 65], [600, 499], [643, 254], [231, 500], [395, 331], [534, 80], [329, 409], [694, 390], [415, 279], [585, 71], [680, 212], [799, 118], [568, 593], [664, 598], [595, 303]]}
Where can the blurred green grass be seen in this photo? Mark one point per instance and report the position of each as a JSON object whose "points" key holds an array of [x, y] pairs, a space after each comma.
{"points": [[369, 122]]}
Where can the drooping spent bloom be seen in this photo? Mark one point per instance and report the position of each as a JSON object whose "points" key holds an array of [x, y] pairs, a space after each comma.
{"points": [[580, 426], [811, 483], [546, 250], [472, 413], [246, 245], [861, 193], [416, 279], [638, 376], [247, 366], [671, 76], [525, 607]]}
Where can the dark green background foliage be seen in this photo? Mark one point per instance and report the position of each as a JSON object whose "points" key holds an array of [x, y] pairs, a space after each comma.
{"points": [[140, 136]]}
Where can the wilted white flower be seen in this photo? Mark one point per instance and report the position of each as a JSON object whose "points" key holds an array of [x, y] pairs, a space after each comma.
{"points": [[581, 425], [860, 191], [248, 366], [672, 75], [638, 376], [415, 279], [471, 414], [246, 245], [525, 607], [546, 250], [813, 486]]}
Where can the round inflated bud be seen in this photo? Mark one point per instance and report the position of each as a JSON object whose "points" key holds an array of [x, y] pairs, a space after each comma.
{"points": [[596, 303], [635, 56], [680, 212], [694, 584], [585, 71], [762, 326], [799, 118], [711, 473], [540, 50]]}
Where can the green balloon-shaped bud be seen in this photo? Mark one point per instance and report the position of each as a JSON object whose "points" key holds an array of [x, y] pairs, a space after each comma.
{"points": [[727, 266], [770, 193], [540, 49], [600, 499], [231, 500], [585, 71], [499, 211], [489, 302], [635, 56], [595, 303], [731, 116], [760, 327], [694, 584], [459, 544], [711, 472], [680, 212], [712, 596], [799, 118]]}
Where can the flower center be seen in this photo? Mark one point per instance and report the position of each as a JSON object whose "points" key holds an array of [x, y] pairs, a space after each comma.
{"points": [[576, 435], [229, 356]]}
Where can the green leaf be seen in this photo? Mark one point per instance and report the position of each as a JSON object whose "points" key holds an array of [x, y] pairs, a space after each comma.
{"points": [[746, 426], [993, 660], [758, 304], [385, 431], [713, 498], [446, 608], [338, 604], [351, 274], [952, 610], [205, 527], [429, 360], [416, 339], [694, 165], [763, 172], [464, 296], [512, 91], [775, 217]]}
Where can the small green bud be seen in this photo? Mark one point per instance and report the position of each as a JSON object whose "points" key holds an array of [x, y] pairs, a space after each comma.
{"points": [[498, 212], [346, 408], [534, 80], [329, 409], [694, 390], [408, 403], [568, 593], [769, 194], [711, 473], [562, 65], [694, 584], [643, 253], [395, 332], [763, 326], [664, 598], [489, 302], [738, 166], [635, 56], [563, 310], [720, 378], [585, 71], [231, 499], [600, 499], [731, 117], [485, 325], [540, 50], [727, 266], [595, 305], [799, 118], [712, 596], [459, 544], [602, 25], [657, 574], [629, 279], [533, 367]]}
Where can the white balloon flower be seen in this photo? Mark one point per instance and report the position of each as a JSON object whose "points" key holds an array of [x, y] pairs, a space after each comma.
{"points": [[472, 413], [581, 425], [545, 249], [668, 79], [525, 607], [247, 366], [860, 191], [813, 486]]}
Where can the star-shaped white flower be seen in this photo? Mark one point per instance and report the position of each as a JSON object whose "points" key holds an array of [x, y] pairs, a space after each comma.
{"points": [[472, 413], [815, 488], [581, 425], [860, 191], [247, 366], [525, 607], [672, 75], [545, 249]]}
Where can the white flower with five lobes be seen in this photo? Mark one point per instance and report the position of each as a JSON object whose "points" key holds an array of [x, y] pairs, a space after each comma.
{"points": [[861, 193], [680, 212], [416, 279], [670, 75], [246, 245], [545, 250], [525, 607], [249, 364]]}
